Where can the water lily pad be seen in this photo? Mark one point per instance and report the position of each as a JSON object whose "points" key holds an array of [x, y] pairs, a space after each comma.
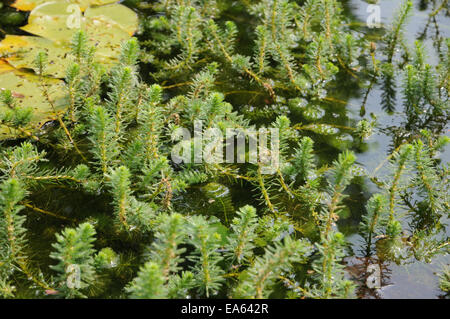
{"points": [[26, 87], [50, 21], [47, 21], [107, 27], [47, 14], [28, 5], [21, 51], [107, 36], [125, 17]]}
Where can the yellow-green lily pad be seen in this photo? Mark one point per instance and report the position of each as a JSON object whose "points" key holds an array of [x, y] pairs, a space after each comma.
{"points": [[50, 21], [107, 27], [27, 90], [118, 13], [21, 51], [28, 5], [107, 37], [51, 12]]}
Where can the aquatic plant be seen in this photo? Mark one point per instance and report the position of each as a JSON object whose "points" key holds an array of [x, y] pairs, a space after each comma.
{"points": [[444, 282], [160, 226]]}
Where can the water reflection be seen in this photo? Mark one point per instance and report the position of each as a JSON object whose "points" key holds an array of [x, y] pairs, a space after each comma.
{"points": [[404, 276]]}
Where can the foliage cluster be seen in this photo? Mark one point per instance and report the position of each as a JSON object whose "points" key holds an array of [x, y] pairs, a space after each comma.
{"points": [[116, 137]]}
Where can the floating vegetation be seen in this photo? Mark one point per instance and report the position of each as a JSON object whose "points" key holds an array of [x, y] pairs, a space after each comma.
{"points": [[105, 29], [140, 151]]}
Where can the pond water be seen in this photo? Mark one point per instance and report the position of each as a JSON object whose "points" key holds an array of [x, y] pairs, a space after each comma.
{"points": [[409, 278]]}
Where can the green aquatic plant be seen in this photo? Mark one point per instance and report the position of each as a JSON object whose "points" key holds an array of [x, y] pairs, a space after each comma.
{"points": [[244, 234], [280, 36], [75, 255], [395, 36], [12, 231], [258, 280], [143, 222], [444, 280], [328, 270], [206, 259], [375, 221]]}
